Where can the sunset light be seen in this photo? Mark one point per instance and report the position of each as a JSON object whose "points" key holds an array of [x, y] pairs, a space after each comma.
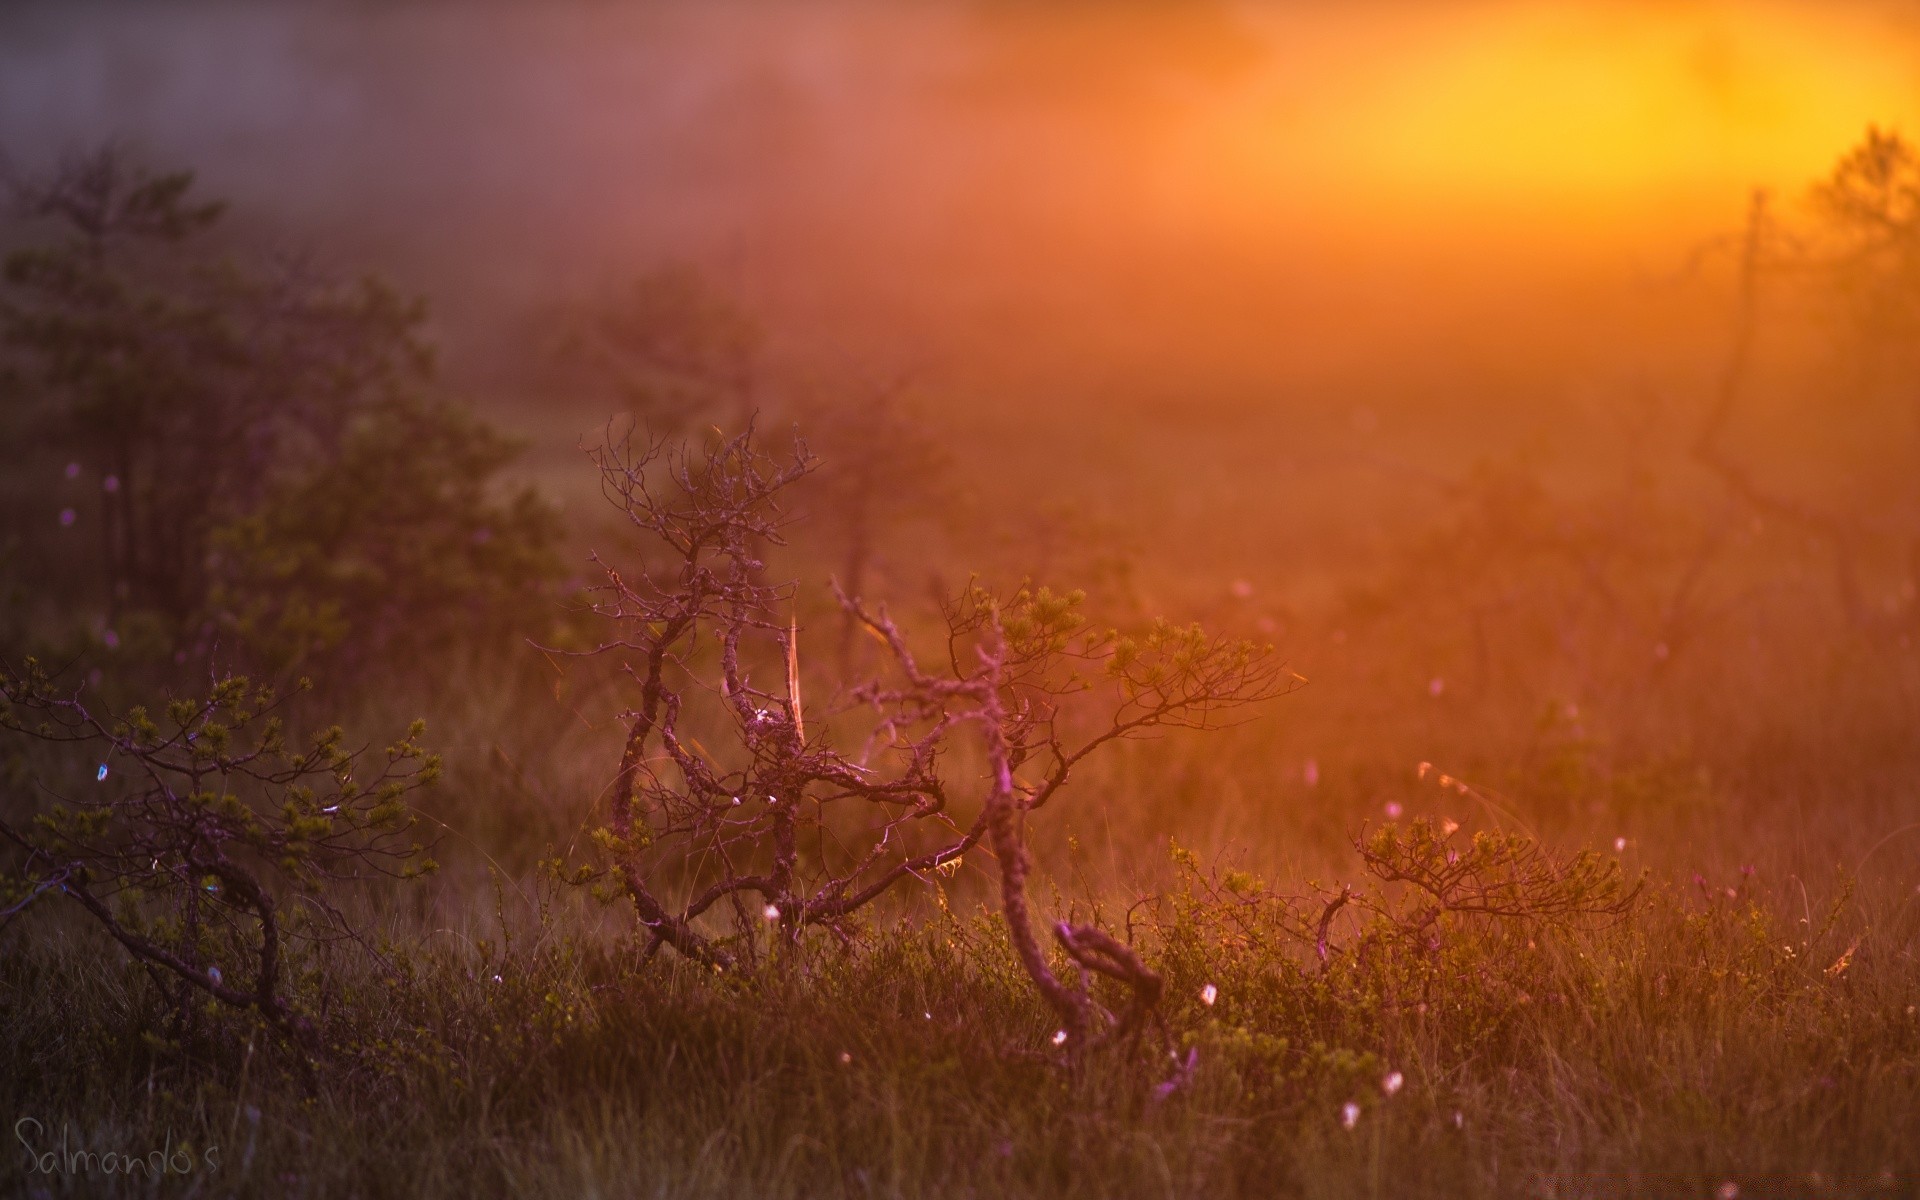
{"points": [[1595, 112], [1582, 101], [848, 599]]}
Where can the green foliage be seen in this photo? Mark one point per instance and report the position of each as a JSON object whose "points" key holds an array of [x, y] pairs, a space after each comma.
{"points": [[1041, 627], [396, 547], [1494, 873], [676, 352], [182, 381], [264, 455], [1165, 673], [209, 841]]}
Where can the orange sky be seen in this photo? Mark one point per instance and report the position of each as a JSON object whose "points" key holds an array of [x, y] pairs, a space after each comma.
{"points": [[1628, 111], [1238, 167], [1559, 116]]}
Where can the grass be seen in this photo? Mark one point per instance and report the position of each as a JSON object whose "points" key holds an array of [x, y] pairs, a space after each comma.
{"points": [[1710, 1038]]}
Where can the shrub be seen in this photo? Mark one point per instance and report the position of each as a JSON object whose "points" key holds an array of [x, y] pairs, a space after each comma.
{"points": [[675, 351], [757, 832], [269, 460], [182, 381], [396, 548], [212, 846]]}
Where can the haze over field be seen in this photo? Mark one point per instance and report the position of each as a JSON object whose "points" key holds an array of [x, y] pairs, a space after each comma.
{"points": [[1260, 191], [1032, 598]]}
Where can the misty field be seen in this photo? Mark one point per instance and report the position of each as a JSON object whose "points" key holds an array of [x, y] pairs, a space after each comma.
{"points": [[903, 620]]}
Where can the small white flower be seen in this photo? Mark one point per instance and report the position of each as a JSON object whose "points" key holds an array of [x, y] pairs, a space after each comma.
{"points": [[497, 979], [845, 1058], [1393, 1082], [100, 776], [771, 912], [1209, 994], [1349, 1114], [213, 973], [1619, 845], [1059, 1037]]}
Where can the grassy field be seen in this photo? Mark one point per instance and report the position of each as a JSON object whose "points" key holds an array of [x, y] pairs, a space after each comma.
{"points": [[1716, 1038], [1749, 1023]]}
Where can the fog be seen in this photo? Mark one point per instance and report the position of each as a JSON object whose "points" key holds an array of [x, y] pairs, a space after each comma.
{"points": [[1309, 180], [1477, 223]]}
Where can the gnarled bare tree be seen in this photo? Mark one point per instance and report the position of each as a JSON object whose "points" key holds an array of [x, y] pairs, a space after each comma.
{"points": [[786, 830]]}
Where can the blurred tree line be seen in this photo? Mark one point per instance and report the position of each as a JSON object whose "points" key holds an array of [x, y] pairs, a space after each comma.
{"points": [[211, 452], [207, 449], [1777, 507]]}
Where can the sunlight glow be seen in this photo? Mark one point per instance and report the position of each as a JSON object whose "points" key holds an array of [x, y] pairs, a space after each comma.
{"points": [[1597, 99], [1567, 107]]}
